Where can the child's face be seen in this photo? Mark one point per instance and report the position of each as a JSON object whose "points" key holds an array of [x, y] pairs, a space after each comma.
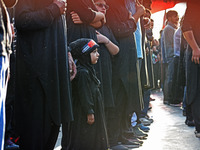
{"points": [[94, 56]]}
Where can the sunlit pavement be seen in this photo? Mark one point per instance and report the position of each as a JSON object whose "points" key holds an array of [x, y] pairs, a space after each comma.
{"points": [[168, 132]]}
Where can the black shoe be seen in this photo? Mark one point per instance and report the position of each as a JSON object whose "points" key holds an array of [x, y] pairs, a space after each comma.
{"points": [[118, 147], [184, 112], [9, 145], [125, 141], [190, 123], [166, 102]]}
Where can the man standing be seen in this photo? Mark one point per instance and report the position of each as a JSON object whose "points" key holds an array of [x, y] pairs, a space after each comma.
{"points": [[168, 34], [191, 31], [43, 95]]}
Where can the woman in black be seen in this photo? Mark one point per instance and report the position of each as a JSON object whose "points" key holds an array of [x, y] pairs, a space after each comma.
{"points": [[88, 130]]}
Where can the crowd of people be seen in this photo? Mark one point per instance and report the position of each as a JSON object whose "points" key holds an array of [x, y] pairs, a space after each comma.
{"points": [[89, 66]]}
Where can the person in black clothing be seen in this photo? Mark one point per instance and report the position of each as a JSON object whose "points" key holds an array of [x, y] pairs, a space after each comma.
{"points": [[88, 130], [126, 82], [82, 20], [191, 30], [43, 92]]}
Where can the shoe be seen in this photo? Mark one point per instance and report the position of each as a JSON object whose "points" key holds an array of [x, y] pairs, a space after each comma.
{"points": [[125, 141], [152, 99], [132, 146], [175, 105], [166, 102], [197, 134], [190, 123], [9, 145], [139, 133], [143, 128], [184, 112], [134, 139], [145, 122], [148, 118], [118, 147]]}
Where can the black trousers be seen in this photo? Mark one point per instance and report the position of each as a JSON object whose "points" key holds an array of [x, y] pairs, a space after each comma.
{"points": [[118, 119], [196, 112]]}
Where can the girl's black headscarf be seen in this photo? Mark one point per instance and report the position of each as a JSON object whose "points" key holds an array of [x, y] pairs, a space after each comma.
{"points": [[81, 49]]}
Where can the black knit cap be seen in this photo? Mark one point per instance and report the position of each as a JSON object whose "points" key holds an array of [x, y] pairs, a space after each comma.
{"points": [[82, 47]]}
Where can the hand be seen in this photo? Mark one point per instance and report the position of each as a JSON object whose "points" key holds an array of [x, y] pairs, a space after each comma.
{"points": [[147, 51], [103, 20], [72, 67], [147, 23], [130, 15], [90, 119], [75, 17], [196, 56], [13, 31], [139, 8], [101, 38], [61, 5]]}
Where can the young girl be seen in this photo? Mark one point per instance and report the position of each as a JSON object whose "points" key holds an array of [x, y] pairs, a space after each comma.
{"points": [[88, 131]]}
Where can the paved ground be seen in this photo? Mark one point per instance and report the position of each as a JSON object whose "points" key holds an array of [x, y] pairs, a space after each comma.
{"points": [[168, 132]]}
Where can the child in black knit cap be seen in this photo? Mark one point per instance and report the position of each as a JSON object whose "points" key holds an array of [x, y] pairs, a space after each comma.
{"points": [[88, 130]]}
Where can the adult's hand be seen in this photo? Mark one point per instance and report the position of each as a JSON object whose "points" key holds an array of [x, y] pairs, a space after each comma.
{"points": [[196, 56], [72, 67], [61, 4], [101, 38], [75, 17]]}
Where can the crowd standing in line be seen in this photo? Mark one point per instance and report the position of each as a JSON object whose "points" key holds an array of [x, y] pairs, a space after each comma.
{"points": [[90, 66]]}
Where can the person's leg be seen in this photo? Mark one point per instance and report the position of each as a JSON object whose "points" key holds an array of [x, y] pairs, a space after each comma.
{"points": [[196, 114], [51, 136], [146, 103], [3, 87], [196, 105], [169, 95], [165, 101], [116, 114]]}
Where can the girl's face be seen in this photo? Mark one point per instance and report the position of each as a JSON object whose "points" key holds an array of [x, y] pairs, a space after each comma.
{"points": [[101, 6], [94, 56]]}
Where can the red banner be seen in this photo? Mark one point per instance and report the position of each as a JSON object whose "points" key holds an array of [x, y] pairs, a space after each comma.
{"points": [[158, 5]]}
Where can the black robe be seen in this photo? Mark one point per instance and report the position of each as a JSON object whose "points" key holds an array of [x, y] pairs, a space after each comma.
{"points": [[104, 68], [43, 93], [87, 100], [125, 68], [83, 9]]}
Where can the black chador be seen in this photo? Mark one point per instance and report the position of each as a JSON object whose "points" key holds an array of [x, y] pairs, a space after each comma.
{"points": [[86, 100]]}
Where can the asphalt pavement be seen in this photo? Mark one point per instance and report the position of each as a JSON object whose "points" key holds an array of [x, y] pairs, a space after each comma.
{"points": [[168, 131]]}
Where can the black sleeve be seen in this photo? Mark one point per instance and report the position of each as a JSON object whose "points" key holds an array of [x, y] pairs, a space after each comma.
{"points": [[82, 8], [122, 29], [84, 92], [119, 22], [29, 19]]}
